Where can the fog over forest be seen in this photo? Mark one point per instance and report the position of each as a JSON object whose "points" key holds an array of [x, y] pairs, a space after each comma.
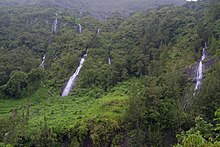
{"points": [[97, 8]]}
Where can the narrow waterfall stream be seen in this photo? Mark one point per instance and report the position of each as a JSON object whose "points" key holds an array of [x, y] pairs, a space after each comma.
{"points": [[200, 70], [54, 25], [109, 58], [54, 29], [80, 28], [43, 60], [98, 31], [72, 80], [34, 20]]}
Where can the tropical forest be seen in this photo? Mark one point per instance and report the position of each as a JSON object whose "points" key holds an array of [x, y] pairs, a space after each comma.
{"points": [[117, 73]]}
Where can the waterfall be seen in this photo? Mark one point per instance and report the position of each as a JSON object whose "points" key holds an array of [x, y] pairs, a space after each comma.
{"points": [[43, 60], [98, 31], [199, 76], [200, 70], [54, 25], [72, 80], [35, 20], [109, 58], [79, 28], [54, 29]]}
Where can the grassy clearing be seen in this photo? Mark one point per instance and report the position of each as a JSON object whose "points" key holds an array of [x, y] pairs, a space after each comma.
{"points": [[63, 113], [8, 105]]}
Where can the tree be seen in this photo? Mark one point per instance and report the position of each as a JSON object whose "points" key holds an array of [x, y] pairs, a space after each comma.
{"points": [[16, 84], [208, 99], [203, 134], [35, 77]]}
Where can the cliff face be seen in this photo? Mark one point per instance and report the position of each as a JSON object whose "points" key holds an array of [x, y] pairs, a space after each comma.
{"points": [[98, 8], [192, 70]]}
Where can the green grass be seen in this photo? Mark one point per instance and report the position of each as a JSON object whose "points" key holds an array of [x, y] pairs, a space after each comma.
{"points": [[8, 105], [63, 113]]}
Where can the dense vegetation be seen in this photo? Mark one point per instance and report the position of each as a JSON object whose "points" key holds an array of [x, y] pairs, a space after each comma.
{"points": [[144, 98]]}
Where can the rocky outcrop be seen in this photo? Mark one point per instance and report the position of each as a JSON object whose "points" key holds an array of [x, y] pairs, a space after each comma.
{"points": [[191, 71]]}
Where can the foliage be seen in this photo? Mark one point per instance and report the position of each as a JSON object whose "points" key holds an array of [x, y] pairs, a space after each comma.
{"points": [[143, 98], [16, 83], [203, 134]]}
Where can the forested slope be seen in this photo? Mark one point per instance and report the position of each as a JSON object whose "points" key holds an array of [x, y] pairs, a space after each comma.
{"points": [[143, 97]]}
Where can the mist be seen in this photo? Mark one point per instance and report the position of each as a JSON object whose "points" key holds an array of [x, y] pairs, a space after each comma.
{"points": [[96, 8]]}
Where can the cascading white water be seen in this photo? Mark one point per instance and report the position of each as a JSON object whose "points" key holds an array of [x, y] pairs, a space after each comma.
{"points": [[109, 60], [54, 26], [54, 29], [200, 70], [204, 52], [80, 28], [199, 76], [98, 31], [43, 60], [35, 20], [72, 80]]}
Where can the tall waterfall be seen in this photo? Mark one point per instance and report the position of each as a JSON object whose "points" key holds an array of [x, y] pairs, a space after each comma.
{"points": [[109, 58], [200, 70], [54, 25], [54, 29], [98, 31], [43, 60], [72, 80], [80, 28]]}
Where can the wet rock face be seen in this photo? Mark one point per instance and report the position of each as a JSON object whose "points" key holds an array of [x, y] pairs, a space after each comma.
{"points": [[209, 63], [192, 70]]}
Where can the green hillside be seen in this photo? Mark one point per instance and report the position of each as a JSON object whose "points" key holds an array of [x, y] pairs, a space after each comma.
{"points": [[144, 97]]}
